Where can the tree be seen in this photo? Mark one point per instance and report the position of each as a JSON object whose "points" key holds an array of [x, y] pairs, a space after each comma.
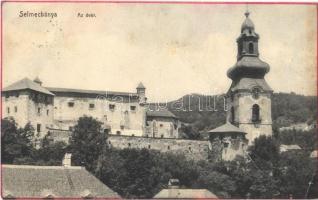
{"points": [[51, 154], [15, 142], [296, 171], [88, 142]]}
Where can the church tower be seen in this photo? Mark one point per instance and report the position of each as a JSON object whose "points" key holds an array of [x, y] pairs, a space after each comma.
{"points": [[249, 97]]}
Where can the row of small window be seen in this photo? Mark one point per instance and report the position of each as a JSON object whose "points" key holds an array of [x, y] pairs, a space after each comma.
{"points": [[92, 106], [40, 111], [15, 109]]}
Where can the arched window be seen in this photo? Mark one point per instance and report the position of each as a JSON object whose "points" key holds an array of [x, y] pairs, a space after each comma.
{"points": [[250, 48], [232, 114], [255, 113]]}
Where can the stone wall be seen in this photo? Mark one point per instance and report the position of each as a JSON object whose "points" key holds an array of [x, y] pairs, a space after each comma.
{"points": [[192, 149]]}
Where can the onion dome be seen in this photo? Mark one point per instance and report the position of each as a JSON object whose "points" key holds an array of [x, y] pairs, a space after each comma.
{"points": [[247, 24]]}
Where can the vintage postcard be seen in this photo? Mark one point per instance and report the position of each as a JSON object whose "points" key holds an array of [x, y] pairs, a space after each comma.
{"points": [[158, 100]]}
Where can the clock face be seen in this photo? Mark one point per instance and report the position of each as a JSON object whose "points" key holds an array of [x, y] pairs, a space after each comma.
{"points": [[255, 93]]}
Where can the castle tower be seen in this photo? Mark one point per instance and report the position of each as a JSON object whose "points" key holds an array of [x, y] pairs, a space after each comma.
{"points": [[141, 91], [249, 97]]}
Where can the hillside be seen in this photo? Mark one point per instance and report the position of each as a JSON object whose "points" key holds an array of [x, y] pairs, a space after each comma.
{"points": [[201, 113]]}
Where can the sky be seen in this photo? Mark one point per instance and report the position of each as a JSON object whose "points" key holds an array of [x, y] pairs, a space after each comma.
{"points": [[173, 49]]}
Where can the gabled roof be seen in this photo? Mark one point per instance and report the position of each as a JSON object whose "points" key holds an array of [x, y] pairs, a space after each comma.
{"points": [[227, 128], [160, 113], [141, 86], [26, 84], [155, 111], [185, 194], [93, 92], [52, 181]]}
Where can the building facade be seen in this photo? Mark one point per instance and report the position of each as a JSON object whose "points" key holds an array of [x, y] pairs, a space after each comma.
{"points": [[56, 110]]}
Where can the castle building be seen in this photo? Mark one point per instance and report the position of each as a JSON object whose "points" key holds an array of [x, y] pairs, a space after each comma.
{"points": [[249, 97], [56, 110]]}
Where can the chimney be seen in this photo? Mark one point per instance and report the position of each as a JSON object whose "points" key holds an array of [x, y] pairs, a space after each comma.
{"points": [[67, 160], [173, 184]]}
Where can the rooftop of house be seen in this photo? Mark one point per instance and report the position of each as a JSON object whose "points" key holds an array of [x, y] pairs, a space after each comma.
{"points": [[283, 147], [155, 111], [93, 92], [35, 85], [26, 181], [227, 128], [177, 193], [26, 84]]}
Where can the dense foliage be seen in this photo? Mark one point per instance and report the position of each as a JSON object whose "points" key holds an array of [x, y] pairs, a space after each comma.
{"points": [[133, 173], [17, 146], [88, 141]]}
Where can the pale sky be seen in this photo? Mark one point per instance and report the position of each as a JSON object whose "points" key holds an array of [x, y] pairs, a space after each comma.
{"points": [[174, 49]]}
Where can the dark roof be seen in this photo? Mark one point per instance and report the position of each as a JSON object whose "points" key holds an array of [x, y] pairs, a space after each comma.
{"points": [[26, 84], [226, 128], [155, 111], [184, 194], [250, 83], [247, 66], [95, 92], [55, 181], [141, 86]]}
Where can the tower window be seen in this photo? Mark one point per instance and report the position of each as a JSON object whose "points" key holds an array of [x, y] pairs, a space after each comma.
{"points": [[39, 111], [255, 113], [8, 110], [232, 114], [91, 106], [250, 48], [47, 112], [70, 104], [15, 108]]}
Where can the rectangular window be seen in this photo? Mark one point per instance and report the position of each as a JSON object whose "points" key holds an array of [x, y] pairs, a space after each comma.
{"points": [[39, 111], [133, 108], [112, 107], [70, 104], [8, 110], [38, 128], [91, 106], [47, 112], [15, 109]]}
